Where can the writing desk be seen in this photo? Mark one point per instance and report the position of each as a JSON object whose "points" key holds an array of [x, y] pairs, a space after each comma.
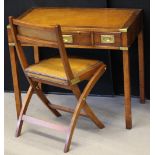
{"points": [[95, 28]]}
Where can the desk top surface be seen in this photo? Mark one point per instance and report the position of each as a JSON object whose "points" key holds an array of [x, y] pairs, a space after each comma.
{"points": [[80, 17]]}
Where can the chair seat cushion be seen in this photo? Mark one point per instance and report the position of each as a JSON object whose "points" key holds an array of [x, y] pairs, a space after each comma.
{"points": [[52, 69]]}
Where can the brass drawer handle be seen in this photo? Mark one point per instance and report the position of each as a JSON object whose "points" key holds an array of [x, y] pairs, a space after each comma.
{"points": [[107, 39], [67, 38]]}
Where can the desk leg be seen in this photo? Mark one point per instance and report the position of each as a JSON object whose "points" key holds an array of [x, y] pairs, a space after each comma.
{"points": [[37, 58], [126, 68], [36, 54], [16, 86], [141, 66]]}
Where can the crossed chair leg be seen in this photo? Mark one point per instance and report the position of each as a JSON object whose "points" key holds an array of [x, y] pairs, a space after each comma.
{"points": [[81, 104], [33, 87]]}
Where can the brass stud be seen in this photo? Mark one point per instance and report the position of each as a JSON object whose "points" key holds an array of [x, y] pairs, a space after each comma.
{"points": [[84, 99], [11, 44], [8, 27]]}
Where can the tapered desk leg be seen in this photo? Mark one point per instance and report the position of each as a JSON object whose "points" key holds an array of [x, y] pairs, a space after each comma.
{"points": [[36, 54], [141, 67], [15, 77], [126, 68]]}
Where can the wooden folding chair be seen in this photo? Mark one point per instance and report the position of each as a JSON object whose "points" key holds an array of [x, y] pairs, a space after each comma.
{"points": [[62, 72]]}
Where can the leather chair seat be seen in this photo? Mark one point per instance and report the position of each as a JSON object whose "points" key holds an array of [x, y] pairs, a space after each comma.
{"points": [[52, 69]]}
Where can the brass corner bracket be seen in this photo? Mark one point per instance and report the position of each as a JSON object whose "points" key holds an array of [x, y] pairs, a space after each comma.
{"points": [[75, 81], [124, 48], [123, 30]]}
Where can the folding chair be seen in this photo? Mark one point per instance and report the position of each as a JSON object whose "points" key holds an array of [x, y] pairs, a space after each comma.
{"points": [[61, 72]]}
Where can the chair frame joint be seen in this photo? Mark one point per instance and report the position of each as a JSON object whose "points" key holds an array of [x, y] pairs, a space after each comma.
{"points": [[84, 99]]}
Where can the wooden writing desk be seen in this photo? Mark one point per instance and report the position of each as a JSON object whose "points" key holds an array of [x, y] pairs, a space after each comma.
{"points": [[99, 28]]}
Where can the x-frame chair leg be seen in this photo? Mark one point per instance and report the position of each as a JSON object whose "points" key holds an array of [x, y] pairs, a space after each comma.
{"points": [[33, 87], [43, 98], [23, 111], [81, 103], [87, 109], [46, 101]]}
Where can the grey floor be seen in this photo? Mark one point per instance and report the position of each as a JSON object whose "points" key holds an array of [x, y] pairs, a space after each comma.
{"points": [[87, 139]]}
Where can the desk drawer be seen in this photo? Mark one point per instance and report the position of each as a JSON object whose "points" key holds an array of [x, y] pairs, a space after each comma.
{"points": [[107, 39], [77, 38]]}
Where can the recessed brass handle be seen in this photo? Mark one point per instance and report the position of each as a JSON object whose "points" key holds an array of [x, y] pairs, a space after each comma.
{"points": [[107, 39], [67, 38]]}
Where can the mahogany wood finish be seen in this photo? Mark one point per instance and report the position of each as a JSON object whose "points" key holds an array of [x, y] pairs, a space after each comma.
{"points": [[16, 84], [39, 122], [86, 108], [15, 76], [44, 99], [81, 103], [85, 27], [66, 109], [36, 54], [20, 33], [126, 68], [141, 66], [37, 58], [23, 111]]}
